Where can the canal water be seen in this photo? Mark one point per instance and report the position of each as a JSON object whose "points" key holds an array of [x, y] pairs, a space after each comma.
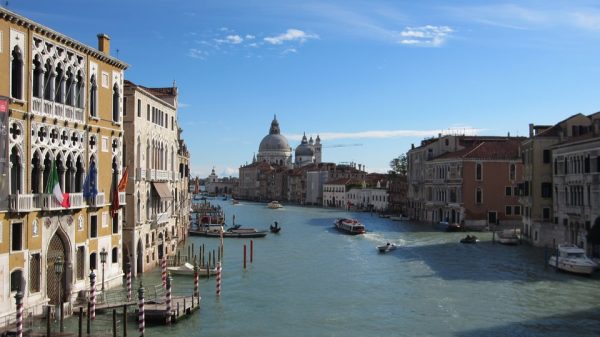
{"points": [[310, 280]]}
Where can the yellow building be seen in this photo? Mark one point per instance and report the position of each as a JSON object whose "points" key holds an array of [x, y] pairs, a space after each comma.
{"points": [[64, 104]]}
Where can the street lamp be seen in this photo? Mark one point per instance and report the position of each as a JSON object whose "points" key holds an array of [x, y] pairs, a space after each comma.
{"points": [[103, 254], [58, 270]]}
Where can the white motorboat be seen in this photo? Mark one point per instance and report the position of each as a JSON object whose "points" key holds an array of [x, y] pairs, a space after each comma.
{"points": [[572, 259], [508, 237], [274, 204], [399, 218], [350, 226], [188, 269], [388, 247]]}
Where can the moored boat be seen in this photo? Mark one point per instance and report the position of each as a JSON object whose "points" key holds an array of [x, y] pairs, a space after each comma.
{"points": [[350, 226], [508, 237], [399, 218], [274, 228], [187, 269], [469, 239], [571, 258]]}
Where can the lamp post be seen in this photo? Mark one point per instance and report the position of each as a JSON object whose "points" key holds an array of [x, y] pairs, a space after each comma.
{"points": [[103, 254], [58, 270]]}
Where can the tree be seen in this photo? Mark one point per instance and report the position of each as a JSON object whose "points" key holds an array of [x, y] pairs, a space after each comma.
{"points": [[399, 165]]}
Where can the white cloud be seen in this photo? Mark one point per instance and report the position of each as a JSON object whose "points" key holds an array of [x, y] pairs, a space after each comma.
{"points": [[197, 53], [250, 37], [290, 35], [231, 39], [588, 19], [289, 50], [467, 130], [432, 36]]}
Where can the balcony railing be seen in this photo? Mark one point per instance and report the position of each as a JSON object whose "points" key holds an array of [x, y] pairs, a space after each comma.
{"points": [[76, 200], [47, 202], [122, 198], [140, 174], [21, 202], [162, 218], [98, 201], [162, 175], [150, 174], [54, 109]]}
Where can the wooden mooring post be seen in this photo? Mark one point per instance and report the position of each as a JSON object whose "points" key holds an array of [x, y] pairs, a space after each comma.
{"points": [[80, 325]]}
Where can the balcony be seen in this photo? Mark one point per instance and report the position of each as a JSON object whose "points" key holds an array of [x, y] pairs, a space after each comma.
{"points": [[98, 201], [59, 110], [150, 174], [21, 202], [162, 175], [162, 218], [122, 198], [76, 200], [140, 174], [47, 202]]}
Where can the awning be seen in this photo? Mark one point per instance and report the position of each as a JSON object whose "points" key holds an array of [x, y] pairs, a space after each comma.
{"points": [[163, 191]]}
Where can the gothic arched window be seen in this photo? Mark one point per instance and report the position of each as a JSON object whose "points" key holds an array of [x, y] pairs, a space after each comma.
{"points": [[93, 96], [115, 103], [16, 73]]}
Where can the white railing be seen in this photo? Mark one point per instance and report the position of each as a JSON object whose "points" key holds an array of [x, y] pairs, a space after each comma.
{"points": [[162, 218], [47, 202], [140, 174], [78, 114], [69, 112], [48, 108], [122, 198], [37, 105], [150, 174], [20, 202], [76, 200], [59, 110], [162, 175], [98, 201]]}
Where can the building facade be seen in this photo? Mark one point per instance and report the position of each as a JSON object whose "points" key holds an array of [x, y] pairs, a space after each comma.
{"points": [[152, 140], [62, 107], [536, 189]]}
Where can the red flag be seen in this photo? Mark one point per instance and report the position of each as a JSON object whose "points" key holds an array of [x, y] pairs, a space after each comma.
{"points": [[114, 208], [123, 182]]}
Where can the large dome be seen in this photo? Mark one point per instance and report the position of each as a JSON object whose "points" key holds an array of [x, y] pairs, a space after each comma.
{"points": [[305, 149], [274, 142]]}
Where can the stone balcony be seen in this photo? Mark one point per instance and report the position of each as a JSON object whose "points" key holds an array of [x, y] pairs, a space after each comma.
{"points": [[122, 198], [140, 174], [47, 202], [58, 110], [21, 203], [98, 201], [76, 200]]}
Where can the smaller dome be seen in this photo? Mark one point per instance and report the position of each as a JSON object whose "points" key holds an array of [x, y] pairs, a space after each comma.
{"points": [[305, 149]]}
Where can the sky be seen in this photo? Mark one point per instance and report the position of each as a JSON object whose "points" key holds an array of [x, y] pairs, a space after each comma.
{"points": [[370, 77]]}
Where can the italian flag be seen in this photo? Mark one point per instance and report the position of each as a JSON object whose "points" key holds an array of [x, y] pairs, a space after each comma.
{"points": [[53, 187]]}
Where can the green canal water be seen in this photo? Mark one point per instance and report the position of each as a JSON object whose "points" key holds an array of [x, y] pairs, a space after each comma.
{"points": [[310, 280]]}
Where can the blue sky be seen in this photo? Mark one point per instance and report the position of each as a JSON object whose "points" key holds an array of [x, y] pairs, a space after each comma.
{"points": [[372, 76]]}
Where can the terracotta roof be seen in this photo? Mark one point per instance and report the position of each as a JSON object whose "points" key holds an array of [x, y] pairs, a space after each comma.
{"points": [[489, 150], [158, 92], [341, 181]]}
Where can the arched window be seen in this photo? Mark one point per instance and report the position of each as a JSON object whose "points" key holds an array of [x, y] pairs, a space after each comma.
{"points": [[48, 81], [79, 175], [38, 77], [16, 280], [115, 255], [78, 91], [115, 103], [16, 74], [478, 171], [93, 96], [69, 89], [58, 85], [15, 171], [35, 173], [93, 261]]}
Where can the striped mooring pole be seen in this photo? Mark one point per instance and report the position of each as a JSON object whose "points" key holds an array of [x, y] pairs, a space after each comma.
{"points": [[128, 268], [196, 288], [164, 271], [19, 302], [168, 299], [219, 278], [92, 312], [141, 323]]}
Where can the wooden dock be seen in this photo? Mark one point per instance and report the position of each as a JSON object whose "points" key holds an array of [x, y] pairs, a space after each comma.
{"points": [[181, 307]]}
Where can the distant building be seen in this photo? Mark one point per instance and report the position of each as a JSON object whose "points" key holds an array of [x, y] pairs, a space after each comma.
{"points": [[465, 179], [334, 192], [397, 191], [274, 148], [217, 186]]}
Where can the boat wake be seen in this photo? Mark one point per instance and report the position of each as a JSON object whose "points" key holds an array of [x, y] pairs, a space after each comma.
{"points": [[380, 238]]}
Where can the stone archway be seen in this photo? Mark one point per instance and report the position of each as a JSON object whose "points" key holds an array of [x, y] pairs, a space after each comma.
{"points": [[58, 247]]}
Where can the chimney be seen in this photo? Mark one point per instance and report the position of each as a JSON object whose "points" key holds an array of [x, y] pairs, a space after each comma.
{"points": [[530, 130], [104, 43], [508, 134]]}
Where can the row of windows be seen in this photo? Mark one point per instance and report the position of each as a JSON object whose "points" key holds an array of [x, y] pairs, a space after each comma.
{"points": [[575, 165], [155, 115]]}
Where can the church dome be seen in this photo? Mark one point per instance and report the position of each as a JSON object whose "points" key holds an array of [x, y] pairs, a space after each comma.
{"points": [[305, 149], [274, 141]]}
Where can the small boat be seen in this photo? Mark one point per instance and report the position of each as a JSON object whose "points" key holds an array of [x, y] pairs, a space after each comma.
{"points": [[572, 259], [275, 228], [274, 204], [388, 247], [187, 269], [235, 202], [469, 239], [508, 237], [238, 231], [399, 218], [350, 226], [225, 198]]}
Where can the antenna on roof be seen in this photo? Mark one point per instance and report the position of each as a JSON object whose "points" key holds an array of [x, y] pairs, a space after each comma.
{"points": [[117, 52]]}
